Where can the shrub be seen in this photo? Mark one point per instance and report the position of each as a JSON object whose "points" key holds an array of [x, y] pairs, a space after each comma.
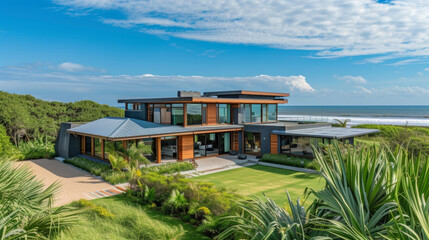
{"points": [[90, 166], [170, 168], [100, 211], [7, 149], [179, 195], [289, 161], [37, 148]]}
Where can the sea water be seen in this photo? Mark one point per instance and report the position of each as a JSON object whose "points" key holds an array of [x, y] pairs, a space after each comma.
{"points": [[389, 115]]}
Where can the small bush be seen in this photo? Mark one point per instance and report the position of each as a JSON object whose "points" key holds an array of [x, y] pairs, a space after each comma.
{"points": [[289, 161], [37, 148], [170, 168], [100, 211], [90, 166]]}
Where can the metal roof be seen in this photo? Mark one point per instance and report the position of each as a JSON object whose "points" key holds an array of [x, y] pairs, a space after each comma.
{"points": [[327, 132], [116, 128]]}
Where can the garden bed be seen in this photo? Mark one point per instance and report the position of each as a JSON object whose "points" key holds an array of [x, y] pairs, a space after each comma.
{"points": [[289, 161]]}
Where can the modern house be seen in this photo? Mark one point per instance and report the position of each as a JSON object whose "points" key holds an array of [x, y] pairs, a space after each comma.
{"points": [[194, 125]]}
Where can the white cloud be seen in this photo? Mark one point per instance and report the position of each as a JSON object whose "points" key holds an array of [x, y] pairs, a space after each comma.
{"points": [[75, 67], [353, 79], [426, 69], [334, 28], [27, 76], [363, 90]]}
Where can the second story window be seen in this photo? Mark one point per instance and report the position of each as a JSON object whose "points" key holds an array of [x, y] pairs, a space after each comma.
{"points": [[223, 113], [256, 113], [133, 106], [194, 114]]}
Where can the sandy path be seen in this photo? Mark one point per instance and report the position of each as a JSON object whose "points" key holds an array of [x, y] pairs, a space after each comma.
{"points": [[75, 184]]}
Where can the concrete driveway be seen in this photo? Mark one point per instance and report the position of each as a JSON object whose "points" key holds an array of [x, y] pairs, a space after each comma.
{"points": [[75, 184]]}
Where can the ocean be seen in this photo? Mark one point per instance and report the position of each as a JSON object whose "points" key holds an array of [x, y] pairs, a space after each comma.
{"points": [[389, 115]]}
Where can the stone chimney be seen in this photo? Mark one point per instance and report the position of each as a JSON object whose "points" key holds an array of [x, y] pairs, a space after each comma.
{"points": [[188, 94]]}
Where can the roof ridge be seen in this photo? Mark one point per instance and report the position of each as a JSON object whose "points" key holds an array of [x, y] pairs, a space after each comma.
{"points": [[119, 127]]}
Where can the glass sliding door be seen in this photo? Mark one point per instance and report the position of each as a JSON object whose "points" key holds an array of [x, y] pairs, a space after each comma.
{"points": [[88, 145], [253, 143], [169, 148], [224, 143], [211, 144], [256, 113]]}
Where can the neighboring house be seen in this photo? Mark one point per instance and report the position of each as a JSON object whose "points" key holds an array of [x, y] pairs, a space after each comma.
{"points": [[192, 126]]}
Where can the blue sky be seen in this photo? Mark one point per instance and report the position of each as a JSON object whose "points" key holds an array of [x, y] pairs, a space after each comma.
{"points": [[322, 52]]}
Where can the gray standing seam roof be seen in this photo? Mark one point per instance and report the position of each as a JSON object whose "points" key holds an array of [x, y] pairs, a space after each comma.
{"points": [[327, 132], [112, 128]]}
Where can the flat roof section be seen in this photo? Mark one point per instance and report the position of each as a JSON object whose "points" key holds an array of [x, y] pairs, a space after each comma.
{"points": [[201, 100], [244, 92], [327, 132], [123, 128]]}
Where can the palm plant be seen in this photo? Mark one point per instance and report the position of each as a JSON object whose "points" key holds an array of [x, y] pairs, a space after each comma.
{"points": [[136, 154], [264, 219], [117, 161], [342, 123], [26, 206], [176, 202], [359, 195]]}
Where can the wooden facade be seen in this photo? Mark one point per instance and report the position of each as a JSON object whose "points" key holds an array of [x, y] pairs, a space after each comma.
{"points": [[211, 114], [235, 145], [186, 147], [274, 148]]}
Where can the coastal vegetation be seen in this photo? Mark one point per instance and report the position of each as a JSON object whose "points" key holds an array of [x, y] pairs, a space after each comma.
{"points": [[126, 220], [289, 161], [32, 124], [414, 139], [373, 193], [26, 206], [115, 175]]}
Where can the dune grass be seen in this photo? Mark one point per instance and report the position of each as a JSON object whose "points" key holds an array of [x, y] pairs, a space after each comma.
{"points": [[130, 221], [271, 181]]}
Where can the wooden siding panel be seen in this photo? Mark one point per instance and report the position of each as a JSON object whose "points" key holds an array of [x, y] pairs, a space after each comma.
{"points": [[235, 141], [211, 114], [186, 147], [274, 144]]}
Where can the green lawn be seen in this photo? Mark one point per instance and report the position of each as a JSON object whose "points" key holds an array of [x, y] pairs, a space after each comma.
{"points": [[273, 182], [131, 221]]}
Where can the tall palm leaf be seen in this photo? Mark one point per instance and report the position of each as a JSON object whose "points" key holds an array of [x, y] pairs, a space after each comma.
{"points": [[26, 206], [359, 194], [266, 220]]}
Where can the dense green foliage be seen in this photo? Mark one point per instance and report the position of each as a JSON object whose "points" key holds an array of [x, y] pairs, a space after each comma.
{"points": [[26, 117], [114, 176], [6, 147], [189, 199], [128, 220], [289, 161], [370, 193], [171, 168], [25, 206], [415, 139], [37, 148]]}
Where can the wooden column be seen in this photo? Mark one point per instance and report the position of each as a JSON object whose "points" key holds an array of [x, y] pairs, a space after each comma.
{"points": [[124, 144], [92, 146], [158, 150], [185, 116], [102, 148]]}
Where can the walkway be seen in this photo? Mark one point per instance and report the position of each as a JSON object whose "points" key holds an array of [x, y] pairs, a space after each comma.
{"points": [[219, 163], [75, 183]]}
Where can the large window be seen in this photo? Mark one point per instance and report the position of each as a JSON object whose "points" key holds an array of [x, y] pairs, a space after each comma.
{"points": [[166, 113], [97, 147], [272, 112], [194, 114], [223, 113], [211, 144], [247, 113], [169, 148], [256, 113]]}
